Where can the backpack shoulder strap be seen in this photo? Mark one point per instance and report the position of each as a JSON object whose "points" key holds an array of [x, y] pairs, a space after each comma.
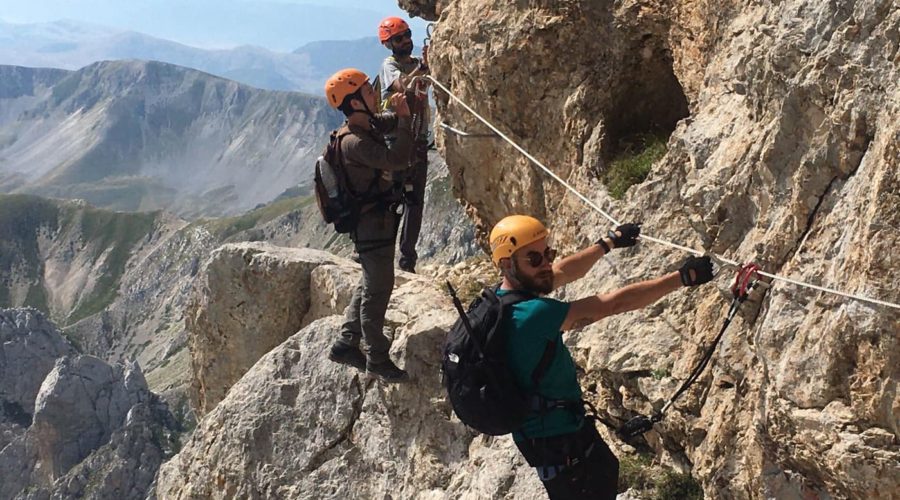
{"points": [[338, 155], [541, 369], [514, 297]]}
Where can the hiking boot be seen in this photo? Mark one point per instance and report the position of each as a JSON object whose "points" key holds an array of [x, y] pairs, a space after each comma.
{"points": [[348, 355], [387, 372], [408, 266]]}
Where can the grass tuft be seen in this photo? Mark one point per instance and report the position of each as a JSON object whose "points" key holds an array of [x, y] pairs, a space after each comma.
{"points": [[637, 472], [678, 486], [632, 165]]}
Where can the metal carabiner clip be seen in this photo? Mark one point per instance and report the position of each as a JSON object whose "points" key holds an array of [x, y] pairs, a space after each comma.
{"points": [[721, 265], [419, 90]]}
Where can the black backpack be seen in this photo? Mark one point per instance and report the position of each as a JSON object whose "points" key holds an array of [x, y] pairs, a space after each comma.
{"points": [[480, 385]]}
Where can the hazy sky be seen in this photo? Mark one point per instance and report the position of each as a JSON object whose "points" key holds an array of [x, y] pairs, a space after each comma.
{"points": [[281, 25]]}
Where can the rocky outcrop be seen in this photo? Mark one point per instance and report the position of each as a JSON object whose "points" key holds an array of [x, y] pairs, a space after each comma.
{"points": [[250, 298], [299, 426], [448, 236], [782, 124], [91, 428], [29, 348], [299, 286]]}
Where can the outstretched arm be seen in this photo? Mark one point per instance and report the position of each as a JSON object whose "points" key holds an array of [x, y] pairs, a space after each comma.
{"points": [[637, 295]]}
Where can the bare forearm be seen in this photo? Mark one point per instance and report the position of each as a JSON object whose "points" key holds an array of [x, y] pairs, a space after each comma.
{"points": [[575, 266], [638, 295], [583, 312]]}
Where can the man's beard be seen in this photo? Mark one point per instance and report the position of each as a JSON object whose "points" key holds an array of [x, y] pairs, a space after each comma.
{"points": [[541, 284], [403, 51]]}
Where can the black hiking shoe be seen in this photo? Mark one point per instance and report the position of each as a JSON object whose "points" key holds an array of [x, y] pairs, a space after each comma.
{"points": [[348, 355], [387, 372], [408, 266]]}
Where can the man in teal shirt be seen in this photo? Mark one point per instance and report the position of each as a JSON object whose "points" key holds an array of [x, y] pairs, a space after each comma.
{"points": [[571, 458]]}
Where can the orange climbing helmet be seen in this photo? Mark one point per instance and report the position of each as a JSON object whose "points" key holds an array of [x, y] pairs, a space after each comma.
{"points": [[390, 27], [343, 83], [514, 232]]}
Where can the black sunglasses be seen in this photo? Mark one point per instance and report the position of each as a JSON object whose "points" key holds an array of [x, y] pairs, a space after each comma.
{"points": [[535, 259], [401, 36]]}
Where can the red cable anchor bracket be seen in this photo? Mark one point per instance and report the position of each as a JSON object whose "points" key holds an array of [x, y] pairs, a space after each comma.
{"points": [[747, 277]]}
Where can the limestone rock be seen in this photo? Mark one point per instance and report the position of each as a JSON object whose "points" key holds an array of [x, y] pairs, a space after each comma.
{"points": [[299, 426], [447, 235], [782, 120], [97, 431], [126, 466], [427, 9], [29, 348], [250, 298], [82, 401]]}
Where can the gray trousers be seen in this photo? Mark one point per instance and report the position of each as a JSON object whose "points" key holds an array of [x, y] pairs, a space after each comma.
{"points": [[374, 239], [412, 220]]}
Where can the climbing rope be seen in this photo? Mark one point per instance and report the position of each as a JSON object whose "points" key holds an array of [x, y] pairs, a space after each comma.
{"points": [[721, 261], [447, 127]]}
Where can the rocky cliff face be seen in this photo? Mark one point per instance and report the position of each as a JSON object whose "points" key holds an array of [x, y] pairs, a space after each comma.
{"points": [[72, 425], [782, 148], [250, 278]]}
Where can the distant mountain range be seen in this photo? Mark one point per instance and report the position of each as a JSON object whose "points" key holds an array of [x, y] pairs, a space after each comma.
{"points": [[280, 25], [72, 45], [133, 135]]}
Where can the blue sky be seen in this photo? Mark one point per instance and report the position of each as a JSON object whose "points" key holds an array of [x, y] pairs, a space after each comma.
{"points": [[280, 25]]}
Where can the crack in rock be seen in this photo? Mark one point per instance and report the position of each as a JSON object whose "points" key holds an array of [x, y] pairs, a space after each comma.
{"points": [[320, 457]]}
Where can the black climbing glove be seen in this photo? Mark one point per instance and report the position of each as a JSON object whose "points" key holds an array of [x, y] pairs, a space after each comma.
{"points": [[629, 234], [702, 267]]}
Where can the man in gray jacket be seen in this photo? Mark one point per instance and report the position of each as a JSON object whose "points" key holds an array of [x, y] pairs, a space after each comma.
{"points": [[370, 163]]}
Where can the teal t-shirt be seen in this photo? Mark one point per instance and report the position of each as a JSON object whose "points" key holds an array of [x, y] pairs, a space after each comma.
{"points": [[529, 327]]}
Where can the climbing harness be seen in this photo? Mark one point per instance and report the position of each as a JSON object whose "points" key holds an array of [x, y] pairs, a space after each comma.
{"points": [[645, 237], [418, 108], [747, 278]]}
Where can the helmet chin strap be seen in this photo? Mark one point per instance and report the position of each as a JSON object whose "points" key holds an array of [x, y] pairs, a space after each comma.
{"points": [[366, 111]]}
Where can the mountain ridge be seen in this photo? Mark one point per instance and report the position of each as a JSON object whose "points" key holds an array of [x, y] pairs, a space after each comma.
{"points": [[135, 135]]}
